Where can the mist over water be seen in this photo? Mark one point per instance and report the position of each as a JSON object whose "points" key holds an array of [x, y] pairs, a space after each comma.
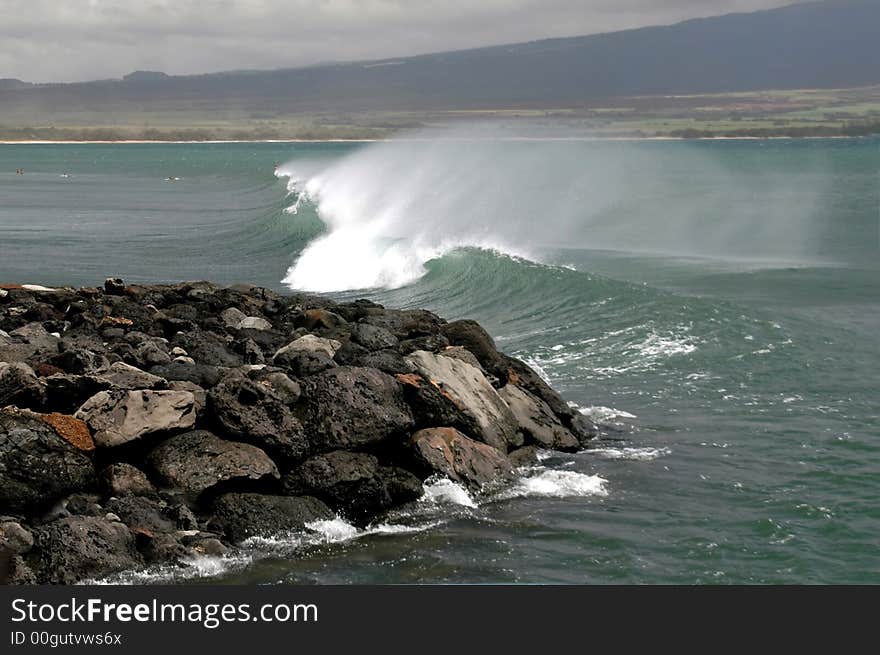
{"points": [[391, 207]]}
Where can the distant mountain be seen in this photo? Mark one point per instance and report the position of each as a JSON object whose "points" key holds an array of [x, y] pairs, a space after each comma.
{"points": [[834, 43]]}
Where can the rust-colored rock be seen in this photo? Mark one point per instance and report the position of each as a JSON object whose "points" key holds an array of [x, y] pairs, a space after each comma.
{"points": [[72, 430], [410, 379], [44, 370]]}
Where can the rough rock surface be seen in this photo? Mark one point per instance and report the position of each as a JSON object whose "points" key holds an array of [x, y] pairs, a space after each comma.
{"points": [[254, 412], [353, 484], [79, 547], [468, 389], [37, 466], [537, 421], [123, 479], [350, 407], [198, 460]]}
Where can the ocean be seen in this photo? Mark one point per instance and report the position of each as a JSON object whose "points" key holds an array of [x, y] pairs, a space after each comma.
{"points": [[713, 305]]}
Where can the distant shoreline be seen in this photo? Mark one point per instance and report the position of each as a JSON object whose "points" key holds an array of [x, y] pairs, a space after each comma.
{"points": [[573, 138]]}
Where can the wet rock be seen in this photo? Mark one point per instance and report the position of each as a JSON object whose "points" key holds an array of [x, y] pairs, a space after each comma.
{"points": [[537, 421], [118, 417], [525, 456], [253, 412], [523, 376], [471, 335], [20, 386], [373, 337], [123, 479], [447, 452], [583, 429], [353, 484], [74, 548], [351, 407], [470, 391], [243, 515], [159, 547], [124, 376], [37, 466], [196, 461], [402, 486]]}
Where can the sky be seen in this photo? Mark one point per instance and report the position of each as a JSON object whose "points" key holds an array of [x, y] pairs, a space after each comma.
{"points": [[75, 40]]}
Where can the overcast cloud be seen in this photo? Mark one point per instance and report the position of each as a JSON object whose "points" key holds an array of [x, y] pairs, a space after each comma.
{"points": [[68, 40]]}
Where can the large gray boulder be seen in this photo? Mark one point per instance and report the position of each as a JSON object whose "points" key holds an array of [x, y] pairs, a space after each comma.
{"points": [[118, 417], [243, 515], [537, 421], [447, 452], [37, 466], [351, 407], [467, 387], [198, 460]]}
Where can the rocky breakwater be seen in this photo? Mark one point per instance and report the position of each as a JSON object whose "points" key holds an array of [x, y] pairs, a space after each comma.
{"points": [[147, 425]]}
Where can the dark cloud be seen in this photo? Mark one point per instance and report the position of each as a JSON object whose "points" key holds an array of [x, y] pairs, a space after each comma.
{"points": [[46, 40]]}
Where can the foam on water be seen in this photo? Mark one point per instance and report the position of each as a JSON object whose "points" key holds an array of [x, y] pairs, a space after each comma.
{"points": [[202, 566], [630, 453], [557, 484], [605, 415]]}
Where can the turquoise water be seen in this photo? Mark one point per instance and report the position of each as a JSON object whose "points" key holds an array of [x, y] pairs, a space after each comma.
{"points": [[714, 305]]}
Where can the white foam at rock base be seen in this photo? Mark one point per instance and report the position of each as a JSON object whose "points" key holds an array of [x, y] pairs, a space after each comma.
{"points": [[444, 491]]}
